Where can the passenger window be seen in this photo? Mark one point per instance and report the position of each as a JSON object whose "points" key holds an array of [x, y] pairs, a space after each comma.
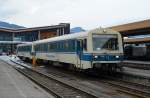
{"points": [[66, 45], [84, 44]]}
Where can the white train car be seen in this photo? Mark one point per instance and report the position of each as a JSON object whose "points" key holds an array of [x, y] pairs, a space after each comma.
{"points": [[24, 51], [98, 48]]}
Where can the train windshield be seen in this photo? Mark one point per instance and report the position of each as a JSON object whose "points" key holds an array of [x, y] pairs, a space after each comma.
{"points": [[105, 42]]}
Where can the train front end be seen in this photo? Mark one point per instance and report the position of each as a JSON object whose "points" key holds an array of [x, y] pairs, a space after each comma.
{"points": [[107, 49]]}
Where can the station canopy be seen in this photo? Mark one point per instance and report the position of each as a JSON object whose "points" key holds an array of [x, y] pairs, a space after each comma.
{"points": [[134, 29]]}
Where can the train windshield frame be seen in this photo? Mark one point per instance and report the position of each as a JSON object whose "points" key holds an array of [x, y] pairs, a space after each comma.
{"points": [[107, 42]]}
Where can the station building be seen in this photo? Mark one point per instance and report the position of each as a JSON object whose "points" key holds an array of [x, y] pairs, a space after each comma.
{"points": [[9, 38]]}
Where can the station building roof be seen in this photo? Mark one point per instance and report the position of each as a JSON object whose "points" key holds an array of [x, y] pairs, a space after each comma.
{"points": [[61, 25], [135, 28]]}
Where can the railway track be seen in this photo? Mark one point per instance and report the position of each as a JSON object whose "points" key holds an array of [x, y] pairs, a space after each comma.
{"points": [[137, 90], [57, 87], [121, 85]]}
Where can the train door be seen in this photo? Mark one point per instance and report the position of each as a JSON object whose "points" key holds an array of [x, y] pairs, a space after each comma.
{"points": [[79, 51]]}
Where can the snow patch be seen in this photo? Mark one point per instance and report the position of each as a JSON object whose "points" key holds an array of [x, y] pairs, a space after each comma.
{"points": [[15, 59]]}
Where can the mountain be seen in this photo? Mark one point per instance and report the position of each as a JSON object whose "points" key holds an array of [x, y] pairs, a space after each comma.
{"points": [[8, 25], [76, 30]]}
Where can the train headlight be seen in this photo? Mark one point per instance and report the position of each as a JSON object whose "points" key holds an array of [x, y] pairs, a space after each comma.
{"points": [[95, 56], [117, 56]]}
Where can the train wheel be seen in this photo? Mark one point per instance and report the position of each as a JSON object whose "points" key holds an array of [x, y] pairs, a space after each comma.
{"points": [[71, 67], [50, 63]]}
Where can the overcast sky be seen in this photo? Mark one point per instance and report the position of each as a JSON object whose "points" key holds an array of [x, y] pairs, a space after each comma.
{"points": [[85, 13]]}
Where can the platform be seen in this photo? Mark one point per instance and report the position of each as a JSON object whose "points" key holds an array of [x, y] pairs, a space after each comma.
{"points": [[137, 64], [138, 72], [139, 68], [15, 85]]}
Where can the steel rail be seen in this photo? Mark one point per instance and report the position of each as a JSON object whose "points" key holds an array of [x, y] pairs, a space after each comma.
{"points": [[135, 89], [66, 91]]}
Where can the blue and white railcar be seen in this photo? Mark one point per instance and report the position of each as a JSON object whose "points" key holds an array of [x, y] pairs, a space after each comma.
{"points": [[24, 50], [98, 48]]}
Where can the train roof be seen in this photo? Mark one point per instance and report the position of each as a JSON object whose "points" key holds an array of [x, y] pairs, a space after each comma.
{"points": [[66, 36], [75, 35], [25, 44]]}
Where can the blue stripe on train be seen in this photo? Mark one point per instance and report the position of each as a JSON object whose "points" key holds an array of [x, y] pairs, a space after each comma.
{"points": [[86, 57], [89, 57]]}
